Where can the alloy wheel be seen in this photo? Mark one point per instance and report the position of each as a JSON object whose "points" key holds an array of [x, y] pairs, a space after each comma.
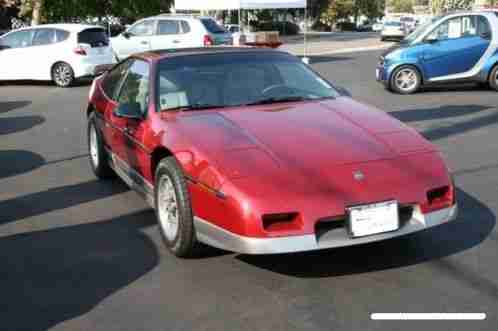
{"points": [[406, 79], [168, 208], [94, 150]]}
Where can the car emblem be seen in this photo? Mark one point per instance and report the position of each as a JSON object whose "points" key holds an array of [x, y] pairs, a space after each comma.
{"points": [[358, 176]]}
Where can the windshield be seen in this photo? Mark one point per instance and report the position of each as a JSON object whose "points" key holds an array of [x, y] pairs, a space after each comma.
{"points": [[204, 81], [420, 30], [212, 26]]}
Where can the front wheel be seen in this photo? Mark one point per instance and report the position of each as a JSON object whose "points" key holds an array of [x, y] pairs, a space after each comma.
{"points": [[493, 78], [96, 150], [405, 80], [173, 209], [62, 74]]}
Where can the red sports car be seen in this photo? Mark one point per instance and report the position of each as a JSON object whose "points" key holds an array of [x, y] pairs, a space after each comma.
{"points": [[251, 151]]}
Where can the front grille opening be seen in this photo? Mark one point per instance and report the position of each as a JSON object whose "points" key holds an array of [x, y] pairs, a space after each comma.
{"points": [[282, 222], [326, 225]]}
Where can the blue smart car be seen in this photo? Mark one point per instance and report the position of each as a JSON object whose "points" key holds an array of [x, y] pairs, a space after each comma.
{"points": [[461, 47]]}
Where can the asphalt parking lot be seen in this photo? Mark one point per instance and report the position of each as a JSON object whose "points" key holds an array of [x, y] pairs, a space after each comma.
{"points": [[78, 254]]}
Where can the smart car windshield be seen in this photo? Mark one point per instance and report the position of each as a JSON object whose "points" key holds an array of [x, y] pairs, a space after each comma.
{"points": [[419, 31], [204, 81]]}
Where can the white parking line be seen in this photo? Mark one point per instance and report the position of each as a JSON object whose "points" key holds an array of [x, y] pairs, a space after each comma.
{"points": [[428, 316]]}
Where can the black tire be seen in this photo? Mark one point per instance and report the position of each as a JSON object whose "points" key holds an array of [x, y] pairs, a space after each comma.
{"points": [[395, 87], [493, 78], [62, 74], [99, 160], [184, 243]]}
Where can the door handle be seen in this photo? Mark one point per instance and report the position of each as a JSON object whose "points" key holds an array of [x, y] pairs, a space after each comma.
{"points": [[144, 42], [129, 130], [176, 41]]}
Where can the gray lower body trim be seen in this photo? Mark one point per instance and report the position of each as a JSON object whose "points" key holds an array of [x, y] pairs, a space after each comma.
{"points": [[213, 235]]}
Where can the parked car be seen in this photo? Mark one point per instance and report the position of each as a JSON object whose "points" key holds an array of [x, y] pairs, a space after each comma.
{"points": [[169, 32], [393, 30], [232, 28], [455, 48], [58, 52], [377, 27], [409, 23], [207, 136]]}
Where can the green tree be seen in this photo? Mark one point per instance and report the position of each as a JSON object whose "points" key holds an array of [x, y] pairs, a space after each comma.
{"points": [[337, 10], [401, 6]]}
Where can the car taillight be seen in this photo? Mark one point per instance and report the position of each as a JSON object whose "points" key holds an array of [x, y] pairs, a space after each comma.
{"points": [[208, 40], [79, 51], [439, 198]]}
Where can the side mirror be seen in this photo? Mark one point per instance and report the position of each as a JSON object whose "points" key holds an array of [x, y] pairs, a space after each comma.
{"points": [[344, 92], [129, 110], [126, 34]]}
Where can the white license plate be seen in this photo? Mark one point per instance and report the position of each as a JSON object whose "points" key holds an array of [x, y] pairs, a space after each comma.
{"points": [[372, 219]]}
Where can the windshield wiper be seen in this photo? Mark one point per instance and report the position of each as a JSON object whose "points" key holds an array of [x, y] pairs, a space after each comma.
{"points": [[286, 99], [278, 100], [193, 107]]}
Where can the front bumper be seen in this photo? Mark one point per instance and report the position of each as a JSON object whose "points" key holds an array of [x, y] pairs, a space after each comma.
{"points": [[215, 236]]}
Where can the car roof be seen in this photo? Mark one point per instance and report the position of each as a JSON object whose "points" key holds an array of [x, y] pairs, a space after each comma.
{"points": [[169, 53], [66, 26]]}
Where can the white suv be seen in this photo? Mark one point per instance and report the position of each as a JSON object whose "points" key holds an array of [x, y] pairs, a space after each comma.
{"points": [[57, 52], [169, 32]]}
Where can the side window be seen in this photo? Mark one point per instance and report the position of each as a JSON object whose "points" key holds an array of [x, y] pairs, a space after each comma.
{"points": [[469, 26], [166, 27], [44, 37], [145, 28], [135, 88], [18, 39], [185, 27], [483, 28], [61, 35], [114, 78]]}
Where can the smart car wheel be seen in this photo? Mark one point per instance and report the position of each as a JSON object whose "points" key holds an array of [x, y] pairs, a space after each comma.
{"points": [[405, 80], [62, 74], [173, 209], [97, 153], [493, 78]]}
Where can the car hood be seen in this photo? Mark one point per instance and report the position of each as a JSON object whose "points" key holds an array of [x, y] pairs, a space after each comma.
{"points": [[300, 137]]}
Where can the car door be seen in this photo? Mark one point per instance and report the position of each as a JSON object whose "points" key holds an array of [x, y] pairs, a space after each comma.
{"points": [[167, 35], [44, 45], [135, 40], [111, 128], [456, 47], [134, 92], [15, 54]]}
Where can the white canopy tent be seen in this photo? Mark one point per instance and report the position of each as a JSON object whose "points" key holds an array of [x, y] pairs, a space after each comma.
{"points": [[237, 4], [245, 4]]}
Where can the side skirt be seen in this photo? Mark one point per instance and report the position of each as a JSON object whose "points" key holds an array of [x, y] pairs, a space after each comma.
{"points": [[132, 178]]}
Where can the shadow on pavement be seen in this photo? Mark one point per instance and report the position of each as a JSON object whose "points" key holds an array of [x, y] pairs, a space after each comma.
{"points": [[47, 83], [58, 198], [63, 273], [9, 125], [12, 105], [459, 128], [328, 58], [474, 224], [16, 162], [441, 112]]}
